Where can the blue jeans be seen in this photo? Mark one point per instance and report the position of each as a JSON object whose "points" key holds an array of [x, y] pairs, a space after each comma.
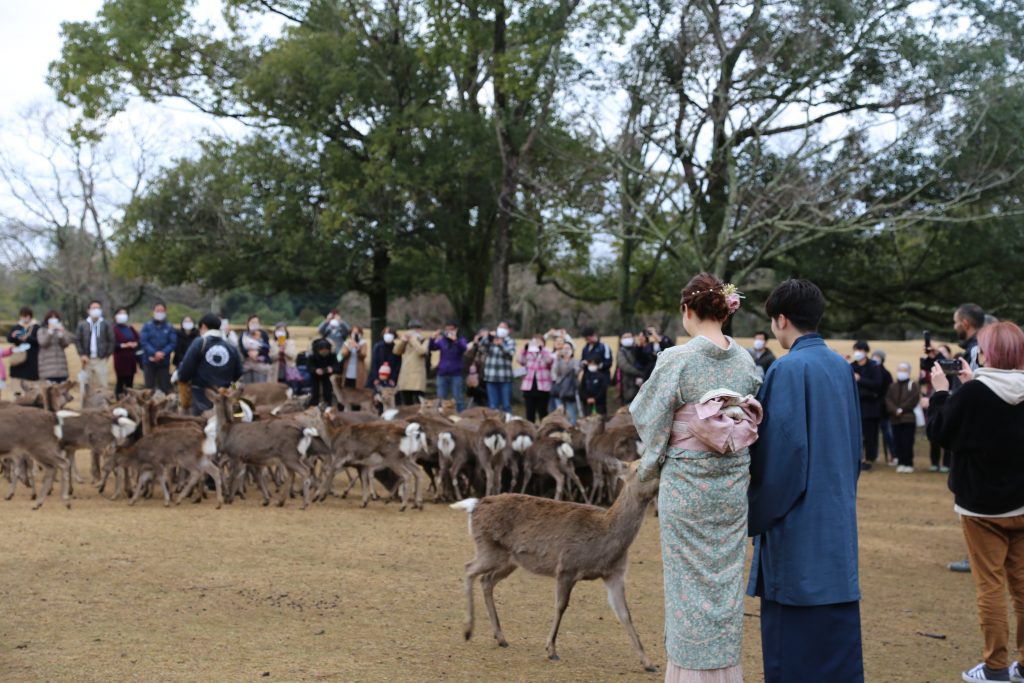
{"points": [[450, 386], [499, 396], [570, 409]]}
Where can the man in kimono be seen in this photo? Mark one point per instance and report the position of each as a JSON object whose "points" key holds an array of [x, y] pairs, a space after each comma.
{"points": [[803, 501]]}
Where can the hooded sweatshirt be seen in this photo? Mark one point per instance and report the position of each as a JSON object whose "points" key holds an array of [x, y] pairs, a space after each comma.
{"points": [[982, 423]]}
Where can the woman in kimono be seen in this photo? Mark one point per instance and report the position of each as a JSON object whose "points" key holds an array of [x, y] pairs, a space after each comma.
{"points": [[696, 417]]}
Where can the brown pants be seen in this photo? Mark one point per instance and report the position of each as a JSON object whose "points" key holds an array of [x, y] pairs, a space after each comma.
{"points": [[996, 548]]}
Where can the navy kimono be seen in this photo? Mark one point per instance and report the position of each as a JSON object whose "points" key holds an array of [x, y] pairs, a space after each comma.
{"points": [[803, 516]]}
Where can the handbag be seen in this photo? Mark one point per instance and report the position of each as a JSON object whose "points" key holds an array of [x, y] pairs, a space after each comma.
{"points": [[292, 374], [565, 388], [18, 357]]}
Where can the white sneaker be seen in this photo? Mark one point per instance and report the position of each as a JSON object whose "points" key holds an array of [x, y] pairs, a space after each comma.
{"points": [[978, 674], [904, 469], [1016, 673]]}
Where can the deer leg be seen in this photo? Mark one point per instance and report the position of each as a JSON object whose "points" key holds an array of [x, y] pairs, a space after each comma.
{"points": [[15, 472], [210, 469], [563, 589], [616, 585], [367, 480], [264, 491], [144, 478], [559, 484], [487, 583], [49, 471], [96, 457], [352, 483], [161, 477], [578, 484], [189, 485], [70, 455], [417, 486], [527, 475]]}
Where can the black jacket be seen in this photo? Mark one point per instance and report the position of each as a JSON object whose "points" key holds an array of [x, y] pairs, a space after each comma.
{"points": [[315, 361], [869, 389], [185, 340], [986, 436], [765, 360], [594, 385], [383, 353], [210, 362], [29, 370]]}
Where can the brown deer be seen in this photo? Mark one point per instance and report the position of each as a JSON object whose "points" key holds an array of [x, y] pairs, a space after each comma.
{"points": [[552, 456], [261, 445], [567, 541]]}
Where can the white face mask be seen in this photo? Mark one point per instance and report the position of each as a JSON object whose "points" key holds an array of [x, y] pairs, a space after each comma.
{"points": [[388, 337], [335, 323], [593, 368], [627, 342], [95, 313], [254, 327], [502, 332], [759, 344], [532, 347], [858, 355], [121, 318], [224, 325], [25, 321], [903, 376], [54, 322], [187, 326], [159, 316]]}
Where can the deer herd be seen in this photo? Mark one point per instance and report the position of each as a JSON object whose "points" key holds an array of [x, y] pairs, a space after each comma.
{"points": [[260, 437]]}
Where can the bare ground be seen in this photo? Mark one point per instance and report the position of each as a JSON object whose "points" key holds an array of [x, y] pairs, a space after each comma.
{"points": [[106, 592]]}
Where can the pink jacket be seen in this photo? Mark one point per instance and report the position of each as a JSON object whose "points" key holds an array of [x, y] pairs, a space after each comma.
{"points": [[722, 422], [3, 368], [537, 364]]}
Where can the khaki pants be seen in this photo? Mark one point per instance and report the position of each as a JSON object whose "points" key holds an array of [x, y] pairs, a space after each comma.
{"points": [[996, 548], [96, 373]]}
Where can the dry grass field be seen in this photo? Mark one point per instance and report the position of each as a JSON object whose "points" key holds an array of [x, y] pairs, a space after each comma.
{"points": [[107, 592]]}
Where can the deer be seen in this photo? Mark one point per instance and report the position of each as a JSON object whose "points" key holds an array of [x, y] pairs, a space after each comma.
{"points": [[377, 445], [31, 433], [606, 450], [266, 393], [491, 454], [455, 447], [260, 444], [569, 542], [552, 455]]}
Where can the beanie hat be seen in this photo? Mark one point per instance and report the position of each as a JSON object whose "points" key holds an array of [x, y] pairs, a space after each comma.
{"points": [[385, 370]]}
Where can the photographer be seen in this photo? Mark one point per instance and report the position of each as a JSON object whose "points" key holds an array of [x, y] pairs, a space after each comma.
{"points": [[412, 348], [449, 366], [498, 350], [983, 424]]}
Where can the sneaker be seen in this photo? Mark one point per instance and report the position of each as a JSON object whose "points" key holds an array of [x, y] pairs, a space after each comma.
{"points": [[893, 463], [865, 466], [1016, 673], [979, 673], [933, 468], [904, 469], [944, 470], [962, 567]]}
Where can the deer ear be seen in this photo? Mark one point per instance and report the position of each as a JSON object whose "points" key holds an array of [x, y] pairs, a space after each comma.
{"points": [[212, 394]]}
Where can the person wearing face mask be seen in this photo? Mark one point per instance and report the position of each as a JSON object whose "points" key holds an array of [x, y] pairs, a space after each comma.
{"points": [[323, 365], [94, 341], [187, 333], [901, 399], [53, 339], [353, 359], [629, 369], [473, 365], [255, 347], [413, 349], [126, 352], [565, 375], [594, 389], [597, 351], [159, 340], [868, 375], [26, 332], [762, 355], [879, 356], [536, 386], [210, 363], [229, 335], [284, 354], [384, 352], [498, 350], [451, 347], [335, 329]]}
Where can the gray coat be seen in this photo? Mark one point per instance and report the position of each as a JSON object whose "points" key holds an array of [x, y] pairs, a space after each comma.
{"points": [[53, 361], [104, 339]]}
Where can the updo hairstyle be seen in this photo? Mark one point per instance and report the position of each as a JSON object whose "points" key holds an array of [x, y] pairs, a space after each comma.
{"points": [[705, 296]]}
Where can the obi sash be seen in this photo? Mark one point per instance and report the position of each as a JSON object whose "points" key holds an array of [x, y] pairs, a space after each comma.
{"points": [[721, 422]]}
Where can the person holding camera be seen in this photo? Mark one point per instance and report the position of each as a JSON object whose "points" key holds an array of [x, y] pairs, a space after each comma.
{"points": [[498, 349], [452, 347], [53, 339], [982, 423], [565, 374], [537, 360], [412, 381]]}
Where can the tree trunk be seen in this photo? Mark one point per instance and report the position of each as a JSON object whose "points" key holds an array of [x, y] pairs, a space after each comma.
{"points": [[379, 290], [503, 244], [627, 303]]}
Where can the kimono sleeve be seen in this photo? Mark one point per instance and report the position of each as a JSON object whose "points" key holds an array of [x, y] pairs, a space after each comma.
{"points": [[653, 410], [779, 457]]}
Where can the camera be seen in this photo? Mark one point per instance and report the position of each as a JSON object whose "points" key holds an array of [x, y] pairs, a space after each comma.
{"points": [[950, 366]]}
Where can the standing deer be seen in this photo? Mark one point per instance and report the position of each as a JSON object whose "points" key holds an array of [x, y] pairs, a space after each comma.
{"points": [[568, 541]]}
